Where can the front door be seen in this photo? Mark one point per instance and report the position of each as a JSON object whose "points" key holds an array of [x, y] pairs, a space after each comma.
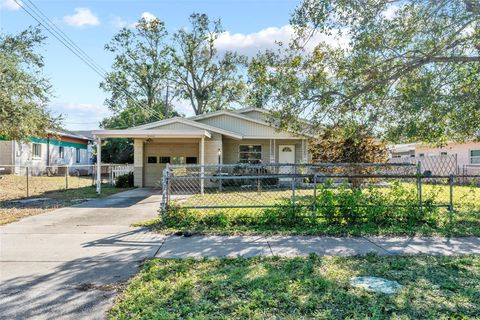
{"points": [[286, 154]]}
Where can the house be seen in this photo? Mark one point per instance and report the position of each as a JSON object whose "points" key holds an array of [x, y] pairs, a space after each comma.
{"points": [[402, 151], [58, 148], [466, 156], [222, 137]]}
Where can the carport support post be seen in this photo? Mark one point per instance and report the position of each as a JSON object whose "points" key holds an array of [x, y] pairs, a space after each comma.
{"points": [[202, 163], [99, 165]]}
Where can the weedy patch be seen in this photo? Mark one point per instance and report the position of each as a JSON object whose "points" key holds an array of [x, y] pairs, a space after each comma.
{"points": [[310, 287]]}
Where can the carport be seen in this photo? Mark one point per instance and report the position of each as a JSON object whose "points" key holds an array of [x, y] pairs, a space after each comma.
{"points": [[163, 144]]}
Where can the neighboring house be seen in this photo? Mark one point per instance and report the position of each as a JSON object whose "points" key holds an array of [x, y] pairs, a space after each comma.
{"points": [[240, 136], [467, 155], [402, 151], [58, 148]]}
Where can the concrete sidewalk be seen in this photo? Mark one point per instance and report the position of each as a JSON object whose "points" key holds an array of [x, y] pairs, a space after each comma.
{"points": [[288, 246]]}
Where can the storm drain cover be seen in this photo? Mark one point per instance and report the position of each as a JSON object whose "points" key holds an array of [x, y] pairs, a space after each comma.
{"points": [[375, 284]]}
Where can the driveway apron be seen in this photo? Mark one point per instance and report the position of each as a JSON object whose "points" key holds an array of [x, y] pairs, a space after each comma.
{"points": [[68, 263]]}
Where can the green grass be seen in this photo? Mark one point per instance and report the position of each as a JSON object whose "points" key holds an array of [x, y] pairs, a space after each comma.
{"points": [[377, 221], [302, 288]]}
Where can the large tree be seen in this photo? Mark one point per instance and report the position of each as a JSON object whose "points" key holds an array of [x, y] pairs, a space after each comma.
{"points": [[208, 80], [138, 83], [410, 70], [24, 91]]}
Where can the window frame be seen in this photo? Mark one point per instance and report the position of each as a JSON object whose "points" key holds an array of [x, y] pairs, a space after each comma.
{"points": [[161, 158], [251, 161], [191, 158], [151, 156], [61, 152], [471, 157], [34, 154]]}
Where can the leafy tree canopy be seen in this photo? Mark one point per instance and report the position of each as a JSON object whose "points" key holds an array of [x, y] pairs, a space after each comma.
{"points": [[209, 81], [24, 91], [410, 70], [138, 84]]}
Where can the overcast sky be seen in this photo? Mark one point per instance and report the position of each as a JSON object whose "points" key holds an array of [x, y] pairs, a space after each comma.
{"points": [[250, 26]]}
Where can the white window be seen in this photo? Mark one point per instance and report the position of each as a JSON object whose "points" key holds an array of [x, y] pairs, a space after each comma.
{"points": [[77, 155], [250, 154], [61, 152], [475, 156], [36, 151]]}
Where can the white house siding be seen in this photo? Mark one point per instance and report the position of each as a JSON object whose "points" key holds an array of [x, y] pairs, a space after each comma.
{"points": [[6, 157], [20, 155], [152, 173], [245, 127], [255, 114], [176, 126], [461, 150], [212, 145], [231, 149]]}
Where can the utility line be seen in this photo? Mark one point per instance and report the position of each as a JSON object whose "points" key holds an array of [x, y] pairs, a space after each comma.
{"points": [[53, 29]]}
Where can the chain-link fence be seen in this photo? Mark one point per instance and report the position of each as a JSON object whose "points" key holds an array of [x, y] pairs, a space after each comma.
{"points": [[26, 181], [346, 190], [443, 165]]}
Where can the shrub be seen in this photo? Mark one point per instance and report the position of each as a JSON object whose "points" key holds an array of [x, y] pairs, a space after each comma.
{"points": [[124, 181]]}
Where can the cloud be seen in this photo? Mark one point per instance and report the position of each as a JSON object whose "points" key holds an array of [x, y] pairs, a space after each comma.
{"points": [[119, 22], [10, 5], [148, 16], [84, 107], [82, 17], [79, 116], [249, 44]]}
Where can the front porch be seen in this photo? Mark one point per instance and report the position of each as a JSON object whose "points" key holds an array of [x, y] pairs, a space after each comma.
{"points": [[153, 149]]}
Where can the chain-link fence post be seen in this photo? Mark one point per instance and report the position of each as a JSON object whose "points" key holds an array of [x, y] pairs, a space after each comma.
{"points": [[66, 177], [28, 192], [450, 206], [293, 191], [314, 203], [259, 185], [164, 204], [419, 185], [220, 181]]}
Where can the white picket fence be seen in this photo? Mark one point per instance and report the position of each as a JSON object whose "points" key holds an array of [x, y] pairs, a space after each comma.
{"points": [[119, 170]]}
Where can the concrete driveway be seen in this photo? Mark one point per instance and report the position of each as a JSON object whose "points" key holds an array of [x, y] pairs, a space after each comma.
{"points": [[64, 264]]}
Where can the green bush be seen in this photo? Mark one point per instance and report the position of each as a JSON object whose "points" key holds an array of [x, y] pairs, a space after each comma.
{"points": [[124, 181], [336, 207], [353, 205]]}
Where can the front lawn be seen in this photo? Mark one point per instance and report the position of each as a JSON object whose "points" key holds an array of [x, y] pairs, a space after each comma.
{"points": [[355, 218], [13, 189], [302, 288]]}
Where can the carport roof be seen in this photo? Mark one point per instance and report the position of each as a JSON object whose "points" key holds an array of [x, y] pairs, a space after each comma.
{"points": [[138, 133]]}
